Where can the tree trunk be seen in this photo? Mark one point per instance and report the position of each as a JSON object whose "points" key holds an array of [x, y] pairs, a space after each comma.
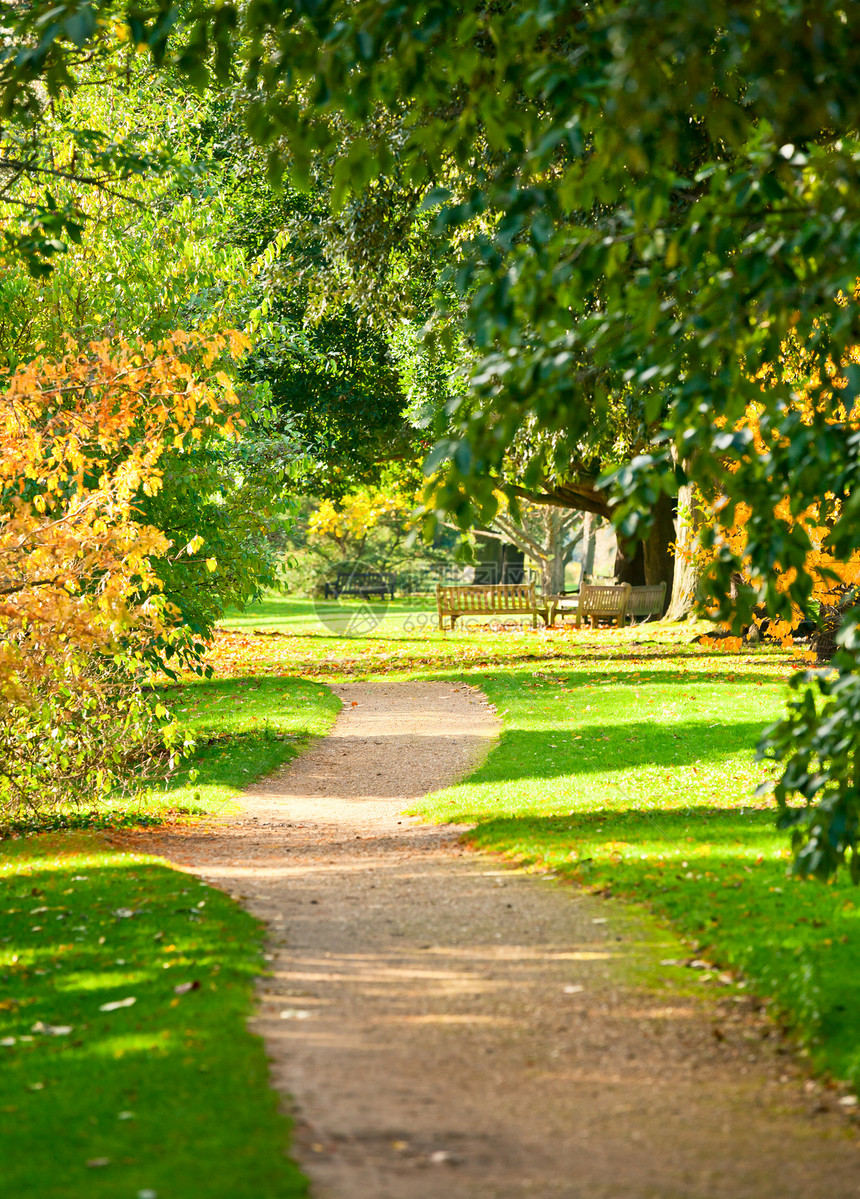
{"points": [[630, 562], [685, 584], [556, 552], [589, 545], [657, 551]]}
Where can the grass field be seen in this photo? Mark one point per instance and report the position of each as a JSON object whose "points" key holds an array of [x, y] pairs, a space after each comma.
{"points": [[343, 617], [167, 1096], [127, 1069], [625, 764]]}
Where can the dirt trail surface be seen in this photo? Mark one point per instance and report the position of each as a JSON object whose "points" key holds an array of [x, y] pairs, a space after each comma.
{"points": [[444, 1027]]}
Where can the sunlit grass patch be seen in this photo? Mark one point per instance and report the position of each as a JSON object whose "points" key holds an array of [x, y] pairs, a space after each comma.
{"points": [[280, 613], [125, 989], [636, 777]]}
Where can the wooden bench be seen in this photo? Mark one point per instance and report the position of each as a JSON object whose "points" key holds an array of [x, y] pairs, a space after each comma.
{"points": [[646, 601], [361, 582], [563, 603], [603, 603], [503, 599]]}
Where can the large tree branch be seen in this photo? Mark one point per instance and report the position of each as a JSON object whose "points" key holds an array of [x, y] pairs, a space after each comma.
{"points": [[569, 521], [28, 584], [583, 497], [520, 538]]}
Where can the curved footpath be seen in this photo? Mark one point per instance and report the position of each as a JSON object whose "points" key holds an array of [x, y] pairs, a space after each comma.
{"points": [[441, 1025]]}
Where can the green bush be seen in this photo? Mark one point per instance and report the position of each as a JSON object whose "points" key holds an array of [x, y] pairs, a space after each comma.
{"points": [[79, 734]]}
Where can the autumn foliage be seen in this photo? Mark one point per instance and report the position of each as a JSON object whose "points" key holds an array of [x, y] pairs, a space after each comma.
{"points": [[348, 524], [827, 578], [81, 439], [799, 559], [830, 582]]}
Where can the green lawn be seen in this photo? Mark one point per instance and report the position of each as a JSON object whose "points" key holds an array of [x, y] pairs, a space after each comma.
{"points": [[171, 1091], [167, 1095], [626, 764], [342, 617]]}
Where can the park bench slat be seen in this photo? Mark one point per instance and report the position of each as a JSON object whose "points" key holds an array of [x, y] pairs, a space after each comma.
{"points": [[363, 583], [647, 600], [603, 603], [507, 599]]}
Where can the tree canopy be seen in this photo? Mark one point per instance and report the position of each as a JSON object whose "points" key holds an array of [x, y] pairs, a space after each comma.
{"points": [[641, 203]]}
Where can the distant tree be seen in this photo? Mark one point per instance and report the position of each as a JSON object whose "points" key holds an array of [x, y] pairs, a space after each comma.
{"points": [[546, 534]]}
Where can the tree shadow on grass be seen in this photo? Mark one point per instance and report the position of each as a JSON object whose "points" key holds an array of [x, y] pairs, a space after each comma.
{"points": [[235, 759], [644, 652], [731, 834], [570, 672]]}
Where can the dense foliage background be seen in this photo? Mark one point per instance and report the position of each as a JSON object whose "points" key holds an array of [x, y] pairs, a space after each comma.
{"points": [[602, 254]]}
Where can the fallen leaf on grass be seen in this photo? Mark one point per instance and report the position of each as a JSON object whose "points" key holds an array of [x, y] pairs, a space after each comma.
{"points": [[573, 990], [118, 1003], [95, 1163], [124, 913], [184, 988], [52, 1030]]}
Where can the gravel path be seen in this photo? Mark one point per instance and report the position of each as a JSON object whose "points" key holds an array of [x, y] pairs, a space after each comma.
{"points": [[449, 1028]]}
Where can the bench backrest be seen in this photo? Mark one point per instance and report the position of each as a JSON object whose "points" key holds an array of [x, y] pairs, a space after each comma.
{"points": [[647, 601], [361, 578], [603, 601], [502, 597]]}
